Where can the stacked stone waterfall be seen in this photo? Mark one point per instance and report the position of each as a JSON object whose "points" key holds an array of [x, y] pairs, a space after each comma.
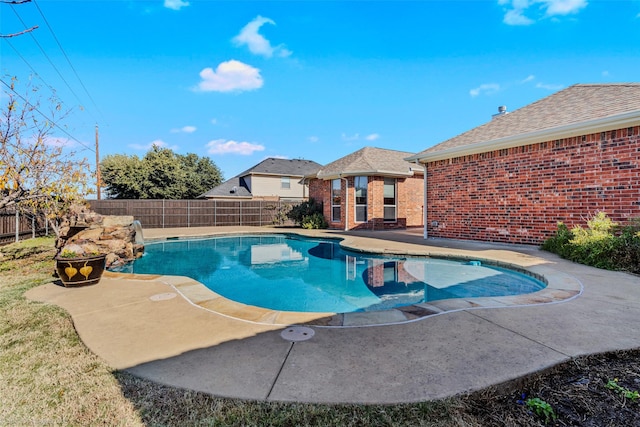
{"points": [[86, 232]]}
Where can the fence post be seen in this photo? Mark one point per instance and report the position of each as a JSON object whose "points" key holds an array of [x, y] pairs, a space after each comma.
{"points": [[162, 213], [240, 212], [17, 226], [215, 213], [188, 213], [260, 214]]}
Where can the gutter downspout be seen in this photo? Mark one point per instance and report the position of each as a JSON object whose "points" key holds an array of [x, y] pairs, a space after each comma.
{"points": [[346, 202], [424, 200]]}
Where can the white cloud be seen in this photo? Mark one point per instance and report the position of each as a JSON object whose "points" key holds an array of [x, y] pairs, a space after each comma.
{"points": [[515, 17], [175, 4], [564, 7], [353, 137], [372, 137], [313, 139], [485, 89], [185, 129], [256, 42], [515, 9], [547, 86], [230, 76], [56, 141], [223, 146], [158, 142], [529, 78]]}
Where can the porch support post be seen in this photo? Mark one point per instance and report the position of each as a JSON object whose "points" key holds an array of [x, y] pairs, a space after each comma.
{"points": [[424, 201], [346, 203]]}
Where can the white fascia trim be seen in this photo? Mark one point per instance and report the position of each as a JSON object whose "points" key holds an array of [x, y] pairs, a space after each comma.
{"points": [[366, 173], [584, 128]]}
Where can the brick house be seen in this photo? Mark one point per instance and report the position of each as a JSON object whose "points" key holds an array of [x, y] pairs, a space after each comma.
{"points": [[271, 179], [371, 189], [562, 158]]}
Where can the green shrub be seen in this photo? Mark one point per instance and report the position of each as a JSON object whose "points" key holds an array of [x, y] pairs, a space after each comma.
{"points": [[558, 243], [281, 213], [602, 244], [314, 221], [305, 209]]}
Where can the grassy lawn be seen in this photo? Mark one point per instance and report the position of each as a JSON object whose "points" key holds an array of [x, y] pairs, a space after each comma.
{"points": [[48, 377]]}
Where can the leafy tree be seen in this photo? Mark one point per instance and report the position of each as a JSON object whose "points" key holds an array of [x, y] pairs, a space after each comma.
{"points": [[37, 173], [160, 174]]}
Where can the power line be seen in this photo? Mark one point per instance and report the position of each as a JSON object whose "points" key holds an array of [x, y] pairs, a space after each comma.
{"points": [[47, 56], [67, 58], [46, 117], [33, 70]]}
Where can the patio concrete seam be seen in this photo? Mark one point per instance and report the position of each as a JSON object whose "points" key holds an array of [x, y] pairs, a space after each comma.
{"points": [[275, 380], [107, 309], [521, 334]]}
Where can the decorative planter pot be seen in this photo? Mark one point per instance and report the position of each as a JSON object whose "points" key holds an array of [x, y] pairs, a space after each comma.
{"points": [[80, 271]]}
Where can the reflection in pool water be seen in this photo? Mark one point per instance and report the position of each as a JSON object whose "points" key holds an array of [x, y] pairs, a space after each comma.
{"points": [[292, 273]]}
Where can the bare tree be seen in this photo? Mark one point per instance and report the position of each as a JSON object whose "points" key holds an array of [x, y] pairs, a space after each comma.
{"points": [[36, 172]]}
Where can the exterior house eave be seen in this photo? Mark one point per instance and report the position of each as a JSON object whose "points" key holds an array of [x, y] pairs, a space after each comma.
{"points": [[583, 128], [273, 174], [229, 197], [391, 174]]}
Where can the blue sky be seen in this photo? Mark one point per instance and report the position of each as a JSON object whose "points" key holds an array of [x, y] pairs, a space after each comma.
{"points": [[240, 81]]}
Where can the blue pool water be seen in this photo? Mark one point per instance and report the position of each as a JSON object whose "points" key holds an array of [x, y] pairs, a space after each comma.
{"points": [[293, 273]]}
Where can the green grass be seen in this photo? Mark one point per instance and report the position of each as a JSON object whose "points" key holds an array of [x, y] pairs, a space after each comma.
{"points": [[50, 377]]}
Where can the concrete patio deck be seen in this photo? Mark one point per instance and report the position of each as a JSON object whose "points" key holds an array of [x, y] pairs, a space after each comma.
{"points": [[144, 324]]}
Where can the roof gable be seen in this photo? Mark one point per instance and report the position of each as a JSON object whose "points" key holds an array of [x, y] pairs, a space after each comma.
{"points": [[234, 187], [572, 108], [369, 161], [237, 186], [283, 167]]}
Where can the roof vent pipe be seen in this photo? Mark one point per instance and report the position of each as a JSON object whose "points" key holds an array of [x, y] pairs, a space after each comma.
{"points": [[502, 110]]}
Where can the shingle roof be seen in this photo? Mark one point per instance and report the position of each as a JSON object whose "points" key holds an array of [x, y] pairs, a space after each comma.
{"points": [[234, 187], [574, 105], [237, 187], [286, 167], [369, 161]]}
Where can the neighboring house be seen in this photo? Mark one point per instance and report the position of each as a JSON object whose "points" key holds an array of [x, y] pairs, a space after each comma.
{"points": [[562, 158], [372, 189], [272, 179]]}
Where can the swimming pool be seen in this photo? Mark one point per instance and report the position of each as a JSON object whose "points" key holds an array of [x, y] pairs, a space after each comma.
{"points": [[294, 273]]}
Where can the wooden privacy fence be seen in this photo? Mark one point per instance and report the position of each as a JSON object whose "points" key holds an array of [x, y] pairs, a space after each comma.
{"points": [[16, 226], [196, 213]]}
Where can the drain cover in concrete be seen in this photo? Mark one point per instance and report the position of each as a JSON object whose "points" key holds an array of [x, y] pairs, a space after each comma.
{"points": [[297, 333], [162, 297]]}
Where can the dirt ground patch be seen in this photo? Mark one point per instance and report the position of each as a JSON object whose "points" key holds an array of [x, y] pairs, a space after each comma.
{"points": [[577, 391]]}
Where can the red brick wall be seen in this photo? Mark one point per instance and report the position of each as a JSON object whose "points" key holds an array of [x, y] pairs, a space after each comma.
{"points": [[409, 203], [519, 194]]}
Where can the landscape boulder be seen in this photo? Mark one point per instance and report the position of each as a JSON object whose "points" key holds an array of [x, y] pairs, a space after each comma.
{"points": [[86, 232]]}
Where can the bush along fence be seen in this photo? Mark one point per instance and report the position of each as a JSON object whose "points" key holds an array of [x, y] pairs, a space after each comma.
{"points": [[15, 226], [198, 213]]}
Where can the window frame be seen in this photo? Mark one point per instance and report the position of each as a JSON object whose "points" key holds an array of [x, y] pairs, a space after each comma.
{"points": [[285, 180], [336, 197], [385, 203], [362, 206]]}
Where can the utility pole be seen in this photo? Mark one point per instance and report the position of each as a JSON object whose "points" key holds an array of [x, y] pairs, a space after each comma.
{"points": [[97, 166]]}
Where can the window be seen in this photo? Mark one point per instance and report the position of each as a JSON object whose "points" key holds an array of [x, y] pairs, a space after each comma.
{"points": [[336, 199], [389, 199], [360, 185], [285, 182]]}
